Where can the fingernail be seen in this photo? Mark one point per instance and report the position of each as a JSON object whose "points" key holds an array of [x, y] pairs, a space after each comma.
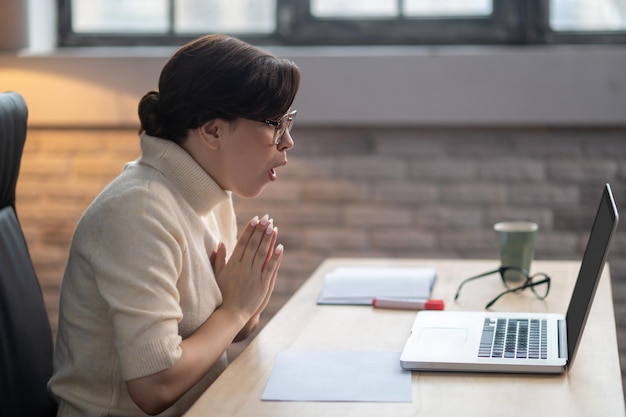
{"points": [[264, 220], [254, 221], [279, 249], [269, 229]]}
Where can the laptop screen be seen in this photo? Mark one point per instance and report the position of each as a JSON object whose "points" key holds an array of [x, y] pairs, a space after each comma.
{"points": [[591, 268]]}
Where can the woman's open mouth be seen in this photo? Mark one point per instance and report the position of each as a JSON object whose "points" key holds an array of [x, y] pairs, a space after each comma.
{"points": [[272, 172]]}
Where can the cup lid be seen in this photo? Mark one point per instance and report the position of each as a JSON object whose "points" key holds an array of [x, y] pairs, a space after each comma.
{"points": [[516, 227]]}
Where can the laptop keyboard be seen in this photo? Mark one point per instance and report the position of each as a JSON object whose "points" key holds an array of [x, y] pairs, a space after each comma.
{"points": [[514, 338]]}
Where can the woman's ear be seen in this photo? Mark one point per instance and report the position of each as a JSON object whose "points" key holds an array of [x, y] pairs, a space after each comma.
{"points": [[210, 133]]}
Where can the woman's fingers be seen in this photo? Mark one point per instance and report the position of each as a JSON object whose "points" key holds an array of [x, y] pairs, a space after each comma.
{"points": [[247, 279], [256, 243], [272, 245], [218, 258], [264, 246], [271, 271], [273, 264], [244, 238]]}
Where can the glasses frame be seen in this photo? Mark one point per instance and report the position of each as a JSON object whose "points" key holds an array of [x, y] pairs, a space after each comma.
{"points": [[529, 283], [282, 125]]}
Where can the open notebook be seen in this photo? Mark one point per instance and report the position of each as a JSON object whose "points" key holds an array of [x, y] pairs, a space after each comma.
{"points": [[359, 285], [514, 342]]}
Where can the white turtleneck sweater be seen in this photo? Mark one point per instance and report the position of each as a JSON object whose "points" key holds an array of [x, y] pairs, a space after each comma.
{"points": [[139, 280]]}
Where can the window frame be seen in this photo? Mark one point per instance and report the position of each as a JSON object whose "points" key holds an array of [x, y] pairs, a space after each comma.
{"points": [[512, 22], [500, 28]]}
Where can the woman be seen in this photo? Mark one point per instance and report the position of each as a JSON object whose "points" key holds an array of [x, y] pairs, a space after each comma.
{"points": [[157, 285]]}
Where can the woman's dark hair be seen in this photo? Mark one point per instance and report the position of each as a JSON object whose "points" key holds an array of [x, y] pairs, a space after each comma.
{"points": [[217, 76]]}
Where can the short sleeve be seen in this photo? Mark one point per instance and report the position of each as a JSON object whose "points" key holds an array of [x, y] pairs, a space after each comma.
{"points": [[137, 264]]}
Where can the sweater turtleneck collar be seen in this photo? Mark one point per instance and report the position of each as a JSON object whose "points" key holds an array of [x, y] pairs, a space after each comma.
{"points": [[196, 186]]}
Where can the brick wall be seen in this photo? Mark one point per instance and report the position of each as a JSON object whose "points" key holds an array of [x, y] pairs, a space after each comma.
{"points": [[394, 192]]}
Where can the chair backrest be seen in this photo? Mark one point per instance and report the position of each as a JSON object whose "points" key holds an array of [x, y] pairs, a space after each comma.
{"points": [[25, 335]]}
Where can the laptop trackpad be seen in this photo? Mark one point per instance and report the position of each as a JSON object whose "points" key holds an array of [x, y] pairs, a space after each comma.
{"points": [[442, 335]]}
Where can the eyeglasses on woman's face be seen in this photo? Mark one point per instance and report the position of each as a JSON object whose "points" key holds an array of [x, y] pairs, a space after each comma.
{"points": [[282, 125], [539, 283]]}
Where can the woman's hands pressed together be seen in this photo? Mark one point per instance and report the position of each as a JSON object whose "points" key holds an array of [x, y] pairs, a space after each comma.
{"points": [[247, 279]]}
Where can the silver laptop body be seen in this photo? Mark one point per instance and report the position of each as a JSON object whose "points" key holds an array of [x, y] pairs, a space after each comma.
{"points": [[477, 341]]}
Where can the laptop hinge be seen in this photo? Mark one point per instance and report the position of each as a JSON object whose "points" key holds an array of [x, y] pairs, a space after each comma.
{"points": [[562, 339]]}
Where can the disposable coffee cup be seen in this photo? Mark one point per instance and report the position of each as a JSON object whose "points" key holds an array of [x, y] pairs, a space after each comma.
{"points": [[516, 246]]}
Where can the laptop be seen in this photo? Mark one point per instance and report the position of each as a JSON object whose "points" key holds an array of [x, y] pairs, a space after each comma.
{"points": [[476, 341]]}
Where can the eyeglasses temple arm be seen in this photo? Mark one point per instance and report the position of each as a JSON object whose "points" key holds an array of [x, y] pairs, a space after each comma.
{"points": [[484, 274], [492, 302], [523, 287]]}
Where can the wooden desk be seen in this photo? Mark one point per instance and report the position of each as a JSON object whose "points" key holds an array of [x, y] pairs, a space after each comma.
{"points": [[592, 387]]}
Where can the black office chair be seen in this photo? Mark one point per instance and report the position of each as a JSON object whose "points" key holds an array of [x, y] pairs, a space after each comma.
{"points": [[25, 335]]}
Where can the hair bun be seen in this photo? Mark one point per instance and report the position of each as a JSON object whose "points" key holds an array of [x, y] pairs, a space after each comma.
{"points": [[149, 113]]}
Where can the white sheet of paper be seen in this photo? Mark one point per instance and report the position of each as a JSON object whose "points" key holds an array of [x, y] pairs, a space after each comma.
{"points": [[338, 376]]}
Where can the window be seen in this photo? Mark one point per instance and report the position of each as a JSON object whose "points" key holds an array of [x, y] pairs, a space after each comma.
{"points": [[341, 22], [162, 22], [588, 16], [585, 21]]}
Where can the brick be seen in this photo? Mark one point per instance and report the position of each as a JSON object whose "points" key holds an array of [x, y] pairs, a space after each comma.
{"points": [[543, 194], [544, 145], [482, 193], [43, 166], [122, 143], [292, 215], [335, 191], [97, 166], [310, 168], [71, 142], [73, 190], [283, 190], [480, 143], [300, 262], [28, 190], [621, 170], [403, 239], [332, 142], [372, 168], [405, 192], [33, 141], [376, 216], [618, 247], [292, 237], [582, 170], [512, 169], [618, 282], [555, 245], [447, 217], [421, 144], [311, 215], [333, 238], [58, 211], [448, 169], [611, 146], [468, 241]]}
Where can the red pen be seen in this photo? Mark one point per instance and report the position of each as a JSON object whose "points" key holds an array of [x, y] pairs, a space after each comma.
{"points": [[408, 304]]}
